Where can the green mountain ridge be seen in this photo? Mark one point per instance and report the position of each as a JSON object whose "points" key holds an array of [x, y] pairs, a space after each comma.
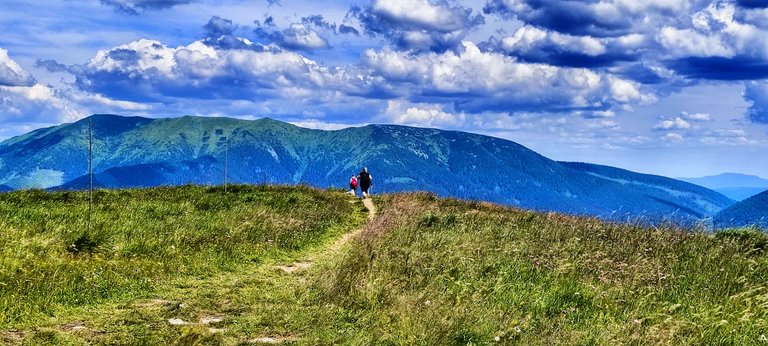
{"points": [[134, 151]]}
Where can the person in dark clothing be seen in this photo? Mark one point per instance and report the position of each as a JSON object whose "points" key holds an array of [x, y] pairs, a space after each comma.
{"points": [[366, 181]]}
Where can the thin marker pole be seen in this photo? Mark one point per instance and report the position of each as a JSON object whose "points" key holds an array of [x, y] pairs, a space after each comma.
{"points": [[226, 162], [90, 171]]}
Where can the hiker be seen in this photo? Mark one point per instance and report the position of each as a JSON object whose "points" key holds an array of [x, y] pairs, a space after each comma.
{"points": [[366, 181], [353, 186]]}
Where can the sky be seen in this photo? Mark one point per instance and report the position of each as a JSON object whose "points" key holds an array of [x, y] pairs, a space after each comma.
{"points": [[670, 87]]}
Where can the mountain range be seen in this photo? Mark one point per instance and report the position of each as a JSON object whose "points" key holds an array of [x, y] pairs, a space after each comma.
{"points": [[733, 185], [141, 152]]}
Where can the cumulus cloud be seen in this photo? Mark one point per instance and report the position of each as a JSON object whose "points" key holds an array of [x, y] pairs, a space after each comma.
{"points": [[417, 25], [676, 123], [444, 116], [480, 81], [690, 43], [220, 33], [717, 44], [36, 103], [218, 26], [469, 79], [11, 73], [135, 6], [23, 101], [429, 115], [697, 117], [42, 104], [697, 40], [672, 137], [51, 65], [730, 137], [147, 70], [305, 35], [607, 18], [756, 93]]}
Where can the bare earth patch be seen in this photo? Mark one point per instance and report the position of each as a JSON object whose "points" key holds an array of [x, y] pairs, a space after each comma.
{"points": [[154, 302], [294, 267], [12, 337], [73, 327]]}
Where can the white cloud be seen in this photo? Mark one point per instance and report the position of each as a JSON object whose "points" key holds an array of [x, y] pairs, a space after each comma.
{"points": [[421, 13], [677, 123], [602, 124], [299, 36], [494, 76], [756, 93], [427, 115], [698, 117], [37, 103], [197, 70], [11, 73], [528, 38], [672, 136], [603, 114], [45, 105], [729, 137], [688, 42], [716, 32]]}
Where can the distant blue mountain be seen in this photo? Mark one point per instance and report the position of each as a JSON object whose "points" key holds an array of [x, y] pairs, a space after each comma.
{"points": [[752, 211], [692, 199], [733, 185], [4, 188], [740, 193], [140, 152], [726, 180]]}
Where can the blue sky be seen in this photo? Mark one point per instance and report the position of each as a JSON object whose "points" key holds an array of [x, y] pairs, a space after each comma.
{"points": [[671, 87]]}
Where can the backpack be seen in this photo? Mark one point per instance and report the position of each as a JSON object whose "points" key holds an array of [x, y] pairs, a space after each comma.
{"points": [[353, 182]]}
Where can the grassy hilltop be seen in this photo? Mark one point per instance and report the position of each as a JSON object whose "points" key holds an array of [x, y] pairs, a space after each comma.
{"points": [[261, 264]]}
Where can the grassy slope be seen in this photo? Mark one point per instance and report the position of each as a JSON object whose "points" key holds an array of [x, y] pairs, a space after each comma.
{"points": [[425, 271], [152, 255], [447, 272]]}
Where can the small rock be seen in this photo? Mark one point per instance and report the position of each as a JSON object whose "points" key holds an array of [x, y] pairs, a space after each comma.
{"points": [[177, 322], [211, 319]]}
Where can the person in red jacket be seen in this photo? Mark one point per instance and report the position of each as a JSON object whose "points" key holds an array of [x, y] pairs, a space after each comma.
{"points": [[353, 186]]}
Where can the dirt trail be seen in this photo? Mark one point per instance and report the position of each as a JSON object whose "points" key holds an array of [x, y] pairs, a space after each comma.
{"points": [[368, 203], [335, 247]]}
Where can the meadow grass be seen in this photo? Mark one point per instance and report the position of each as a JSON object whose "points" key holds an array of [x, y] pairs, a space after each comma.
{"points": [[142, 241], [425, 271], [447, 272]]}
